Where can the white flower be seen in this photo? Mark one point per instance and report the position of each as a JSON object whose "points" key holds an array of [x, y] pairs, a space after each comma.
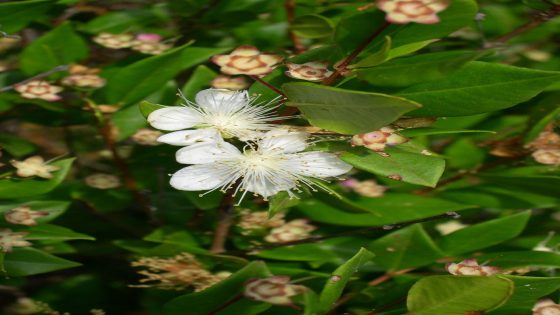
{"points": [[275, 163], [216, 114]]}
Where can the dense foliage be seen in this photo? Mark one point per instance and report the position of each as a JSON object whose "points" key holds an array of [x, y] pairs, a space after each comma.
{"points": [[446, 112]]}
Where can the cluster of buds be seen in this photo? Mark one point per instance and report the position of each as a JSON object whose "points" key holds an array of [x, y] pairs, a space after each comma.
{"points": [[250, 221], [146, 136], [23, 215], [417, 11], [367, 188], [546, 148], [145, 43], [34, 166], [291, 231], [229, 83], [176, 273], [310, 71], [546, 307], [450, 227], [274, 290], [10, 239], [150, 44], [379, 139], [470, 267], [248, 60], [37, 89], [114, 41], [102, 181], [82, 76]]}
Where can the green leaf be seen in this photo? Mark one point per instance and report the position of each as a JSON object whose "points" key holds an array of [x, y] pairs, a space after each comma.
{"points": [[29, 261], [200, 79], [206, 301], [140, 79], [120, 21], [302, 252], [339, 278], [354, 29], [405, 248], [484, 234], [19, 188], [417, 132], [403, 71], [311, 302], [379, 211], [376, 58], [412, 168], [16, 146], [15, 15], [479, 87], [146, 108], [51, 50], [312, 26], [54, 207], [54, 232], [343, 111], [127, 121], [456, 295], [527, 291], [520, 259]]}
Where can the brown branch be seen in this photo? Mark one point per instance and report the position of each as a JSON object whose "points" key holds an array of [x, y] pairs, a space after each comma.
{"points": [[537, 20], [226, 304], [388, 276], [332, 78], [225, 213], [316, 239], [37, 77], [106, 131], [268, 85], [290, 6]]}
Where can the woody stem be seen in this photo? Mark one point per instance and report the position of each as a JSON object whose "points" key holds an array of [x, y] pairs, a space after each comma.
{"points": [[268, 85], [225, 213], [332, 78]]}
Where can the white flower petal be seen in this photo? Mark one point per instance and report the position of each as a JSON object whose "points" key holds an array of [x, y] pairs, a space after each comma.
{"points": [[219, 100], [189, 137], [174, 118], [316, 164], [269, 184], [201, 177], [283, 141], [205, 153]]}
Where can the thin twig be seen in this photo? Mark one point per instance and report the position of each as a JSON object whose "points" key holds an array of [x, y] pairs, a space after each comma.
{"points": [[536, 20], [316, 239], [37, 77], [268, 85], [226, 304], [106, 131], [225, 213], [290, 6], [332, 78]]}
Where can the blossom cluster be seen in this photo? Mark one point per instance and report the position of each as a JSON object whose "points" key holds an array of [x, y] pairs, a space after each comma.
{"points": [[273, 159], [146, 43]]}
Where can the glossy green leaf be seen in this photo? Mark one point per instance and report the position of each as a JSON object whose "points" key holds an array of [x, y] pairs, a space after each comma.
{"points": [[206, 301], [138, 80], [412, 168], [312, 26], [390, 209], [405, 248], [280, 202], [302, 252], [54, 207], [403, 72], [343, 111], [417, 132], [484, 234], [51, 50], [146, 108], [376, 58], [16, 146], [520, 259], [479, 87], [15, 15], [127, 121], [527, 291], [199, 80], [20, 188], [457, 295], [337, 282], [29, 261], [54, 232]]}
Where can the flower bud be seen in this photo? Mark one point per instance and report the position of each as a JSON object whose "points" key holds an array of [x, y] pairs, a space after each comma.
{"points": [[246, 60], [309, 71], [546, 307], [103, 181], [547, 156], [418, 11], [470, 267], [9, 239], [23, 215], [273, 290], [378, 140]]}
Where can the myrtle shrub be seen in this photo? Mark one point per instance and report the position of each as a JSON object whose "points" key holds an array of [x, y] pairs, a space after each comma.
{"points": [[280, 157]]}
